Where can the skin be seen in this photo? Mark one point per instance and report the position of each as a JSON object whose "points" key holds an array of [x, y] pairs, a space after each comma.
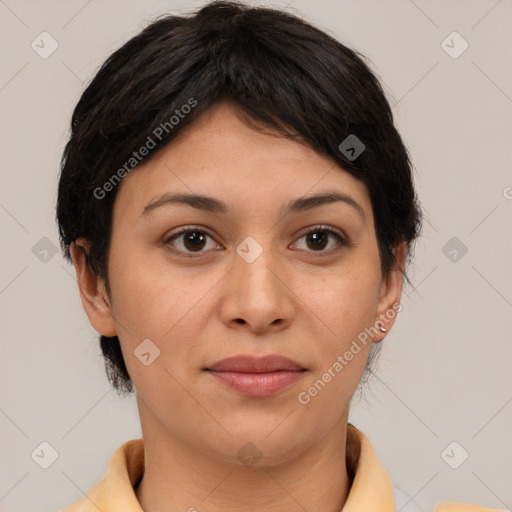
{"points": [[293, 302]]}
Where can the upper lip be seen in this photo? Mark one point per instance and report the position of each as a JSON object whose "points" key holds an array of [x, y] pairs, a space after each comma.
{"points": [[252, 364]]}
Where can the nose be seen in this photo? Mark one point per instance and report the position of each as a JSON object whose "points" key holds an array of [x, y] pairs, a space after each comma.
{"points": [[256, 296]]}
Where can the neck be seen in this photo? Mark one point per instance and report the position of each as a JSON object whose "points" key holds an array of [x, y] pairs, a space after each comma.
{"points": [[182, 477]]}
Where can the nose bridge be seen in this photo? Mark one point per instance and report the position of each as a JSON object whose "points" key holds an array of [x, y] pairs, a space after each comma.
{"points": [[257, 294], [255, 264]]}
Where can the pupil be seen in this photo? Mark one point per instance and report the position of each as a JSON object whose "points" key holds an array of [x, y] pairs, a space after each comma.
{"points": [[193, 240], [316, 238]]}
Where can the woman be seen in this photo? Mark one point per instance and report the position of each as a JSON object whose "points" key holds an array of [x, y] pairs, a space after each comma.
{"points": [[240, 211]]}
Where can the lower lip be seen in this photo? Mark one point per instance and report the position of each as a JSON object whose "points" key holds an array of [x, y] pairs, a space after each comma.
{"points": [[258, 384]]}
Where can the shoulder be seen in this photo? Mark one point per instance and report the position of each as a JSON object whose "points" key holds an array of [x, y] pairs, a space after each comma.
{"points": [[114, 492], [463, 507]]}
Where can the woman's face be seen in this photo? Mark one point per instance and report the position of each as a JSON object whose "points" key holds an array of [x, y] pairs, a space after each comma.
{"points": [[246, 280]]}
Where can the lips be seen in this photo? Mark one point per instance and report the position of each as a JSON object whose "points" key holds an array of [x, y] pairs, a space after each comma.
{"points": [[257, 376], [250, 364]]}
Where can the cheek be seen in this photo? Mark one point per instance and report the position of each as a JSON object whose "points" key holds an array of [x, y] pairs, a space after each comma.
{"points": [[343, 304], [343, 310], [147, 300], [344, 307], [167, 308]]}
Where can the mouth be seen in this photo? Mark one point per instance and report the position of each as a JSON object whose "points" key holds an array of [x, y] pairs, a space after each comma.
{"points": [[257, 376]]}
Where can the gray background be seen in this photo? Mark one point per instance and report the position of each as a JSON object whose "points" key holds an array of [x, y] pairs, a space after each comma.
{"points": [[444, 374]]}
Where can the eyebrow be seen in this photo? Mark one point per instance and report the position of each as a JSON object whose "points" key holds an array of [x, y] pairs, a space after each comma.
{"points": [[210, 204]]}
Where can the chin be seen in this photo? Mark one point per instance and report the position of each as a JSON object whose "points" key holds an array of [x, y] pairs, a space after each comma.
{"points": [[261, 445]]}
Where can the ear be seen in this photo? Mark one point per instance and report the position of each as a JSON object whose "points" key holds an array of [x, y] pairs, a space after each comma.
{"points": [[389, 297], [92, 290]]}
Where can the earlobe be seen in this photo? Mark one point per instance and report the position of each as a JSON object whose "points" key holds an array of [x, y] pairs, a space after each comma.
{"points": [[92, 291], [391, 291]]}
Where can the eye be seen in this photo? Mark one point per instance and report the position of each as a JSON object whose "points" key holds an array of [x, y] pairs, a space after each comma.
{"points": [[189, 240], [318, 238]]}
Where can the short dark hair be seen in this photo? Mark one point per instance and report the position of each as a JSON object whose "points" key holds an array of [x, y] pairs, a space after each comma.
{"points": [[281, 71]]}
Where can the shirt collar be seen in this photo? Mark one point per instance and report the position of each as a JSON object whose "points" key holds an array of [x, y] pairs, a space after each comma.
{"points": [[371, 487]]}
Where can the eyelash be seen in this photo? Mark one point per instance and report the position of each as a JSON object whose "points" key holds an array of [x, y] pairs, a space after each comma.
{"points": [[315, 229]]}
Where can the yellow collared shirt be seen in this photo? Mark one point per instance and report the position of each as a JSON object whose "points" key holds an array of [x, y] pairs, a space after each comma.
{"points": [[371, 490]]}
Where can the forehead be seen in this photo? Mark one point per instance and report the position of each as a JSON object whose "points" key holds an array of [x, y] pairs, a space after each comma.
{"points": [[249, 167]]}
